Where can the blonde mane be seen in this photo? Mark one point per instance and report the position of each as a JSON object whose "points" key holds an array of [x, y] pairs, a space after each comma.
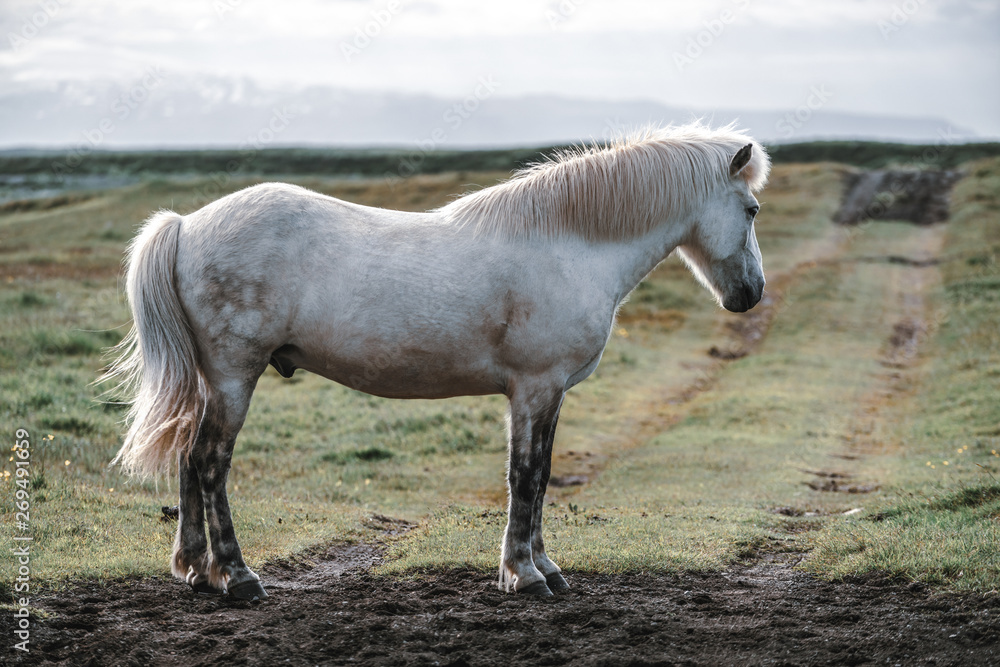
{"points": [[616, 191]]}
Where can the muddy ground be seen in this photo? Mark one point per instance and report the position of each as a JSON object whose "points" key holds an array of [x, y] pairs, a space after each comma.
{"points": [[331, 610]]}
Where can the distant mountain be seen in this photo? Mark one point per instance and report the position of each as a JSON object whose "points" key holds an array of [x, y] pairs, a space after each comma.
{"points": [[165, 111]]}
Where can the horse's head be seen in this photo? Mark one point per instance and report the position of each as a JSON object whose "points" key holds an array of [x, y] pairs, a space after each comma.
{"points": [[721, 249]]}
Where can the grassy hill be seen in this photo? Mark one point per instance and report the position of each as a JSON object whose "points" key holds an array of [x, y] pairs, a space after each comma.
{"points": [[849, 421]]}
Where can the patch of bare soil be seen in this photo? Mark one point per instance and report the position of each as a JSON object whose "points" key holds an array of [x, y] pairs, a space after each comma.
{"points": [[44, 269], [21, 205], [917, 196], [917, 262], [748, 330], [836, 486], [329, 609], [837, 482], [663, 320], [903, 343], [560, 481]]}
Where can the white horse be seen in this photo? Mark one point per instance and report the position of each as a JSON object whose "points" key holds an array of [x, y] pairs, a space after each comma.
{"points": [[509, 290]]}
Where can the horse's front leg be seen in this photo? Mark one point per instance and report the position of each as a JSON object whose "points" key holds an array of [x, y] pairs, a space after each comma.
{"points": [[553, 578], [532, 419]]}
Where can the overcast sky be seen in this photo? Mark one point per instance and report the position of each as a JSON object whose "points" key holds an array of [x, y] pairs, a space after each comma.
{"points": [[913, 58]]}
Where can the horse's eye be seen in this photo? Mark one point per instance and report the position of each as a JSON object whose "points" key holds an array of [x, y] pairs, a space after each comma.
{"points": [[752, 211]]}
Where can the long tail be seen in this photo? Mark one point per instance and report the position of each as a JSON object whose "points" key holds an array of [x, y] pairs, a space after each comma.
{"points": [[157, 362]]}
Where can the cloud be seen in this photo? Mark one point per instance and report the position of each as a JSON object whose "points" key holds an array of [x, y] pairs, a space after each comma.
{"points": [[765, 55]]}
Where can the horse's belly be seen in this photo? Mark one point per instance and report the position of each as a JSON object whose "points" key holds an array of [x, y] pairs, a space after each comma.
{"points": [[400, 372]]}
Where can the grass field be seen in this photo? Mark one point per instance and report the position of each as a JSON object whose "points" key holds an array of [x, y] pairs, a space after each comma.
{"points": [[851, 421]]}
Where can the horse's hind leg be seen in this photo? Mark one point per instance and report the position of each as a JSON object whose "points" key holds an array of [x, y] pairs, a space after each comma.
{"points": [[532, 422], [190, 559], [203, 478], [211, 457], [553, 578]]}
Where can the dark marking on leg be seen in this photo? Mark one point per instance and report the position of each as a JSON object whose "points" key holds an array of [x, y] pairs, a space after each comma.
{"points": [[555, 580], [212, 456], [526, 470], [190, 559]]}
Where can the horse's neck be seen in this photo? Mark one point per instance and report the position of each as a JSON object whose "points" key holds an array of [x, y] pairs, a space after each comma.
{"points": [[633, 260]]}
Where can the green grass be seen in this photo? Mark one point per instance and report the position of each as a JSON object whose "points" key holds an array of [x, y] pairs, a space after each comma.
{"points": [[940, 523], [693, 463], [946, 536]]}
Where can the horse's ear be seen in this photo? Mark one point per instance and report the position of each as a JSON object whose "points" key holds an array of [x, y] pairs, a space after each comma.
{"points": [[740, 160]]}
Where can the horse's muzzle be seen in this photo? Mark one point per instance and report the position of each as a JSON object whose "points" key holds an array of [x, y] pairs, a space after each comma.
{"points": [[742, 300]]}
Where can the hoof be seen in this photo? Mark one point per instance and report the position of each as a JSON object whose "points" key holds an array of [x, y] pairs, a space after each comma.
{"points": [[203, 588], [248, 590], [538, 588], [556, 582]]}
